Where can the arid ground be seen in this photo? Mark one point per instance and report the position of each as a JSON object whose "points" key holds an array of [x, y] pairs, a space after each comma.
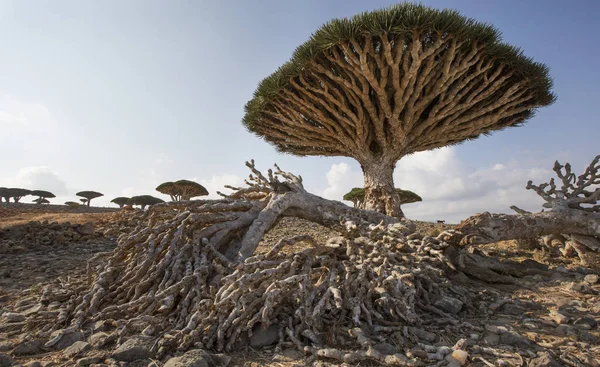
{"points": [[543, 319]]}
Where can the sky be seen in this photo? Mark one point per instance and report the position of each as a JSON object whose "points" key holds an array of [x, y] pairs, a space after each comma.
{"points": [[120, 96]]}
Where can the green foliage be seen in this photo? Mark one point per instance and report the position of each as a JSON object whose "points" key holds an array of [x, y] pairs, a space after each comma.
{"points": [[403, 23], [89, 195], [407, 196], [120, 201], [144, 200], [357, 195], [72, 204], [182, 189]]}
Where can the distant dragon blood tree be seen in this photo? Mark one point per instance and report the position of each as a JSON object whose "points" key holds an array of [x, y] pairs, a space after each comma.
{"points": [[88, 195], [41, 201], [42, 195], [357, 197], [144, 200], [120, 201], [385, 84], [14, 192], [182, 190]]}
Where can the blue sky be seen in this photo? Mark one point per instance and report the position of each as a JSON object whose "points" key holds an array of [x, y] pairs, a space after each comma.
{"points": [[119, 96]]}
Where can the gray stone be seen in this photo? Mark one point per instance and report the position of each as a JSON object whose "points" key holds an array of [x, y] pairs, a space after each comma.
{"points": [[86, 229], [558, 317], [132, 349], [5, 346], [587, 322], [8, 327], [264, 337], [97, 338], [512, 309], [6, 360], [449, 304], [422, 334], [591, 279], [68, 339], [77, 348], [514, 339], [385, 348], [587, 337], [192, 358], [288, 355], [544, 359], [30, 347], [11, 317], [33, 310], [565, 330], [86, 361]]}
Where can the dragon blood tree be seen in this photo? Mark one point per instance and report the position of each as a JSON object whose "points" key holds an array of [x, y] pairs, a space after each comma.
{"points": [[42, 195], [357, 197], [388, 83], [182, 190], [88, 195], [120, 201]]}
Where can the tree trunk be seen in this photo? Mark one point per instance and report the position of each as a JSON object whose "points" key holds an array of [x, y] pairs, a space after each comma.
{"points": [[88, 202], [487, 228], [380, 195]]}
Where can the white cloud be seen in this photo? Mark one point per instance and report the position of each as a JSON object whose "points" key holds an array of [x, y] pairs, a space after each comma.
{"points": [[15, 112], [217, 183], [38, 178], [451, 190], [341, 179]]}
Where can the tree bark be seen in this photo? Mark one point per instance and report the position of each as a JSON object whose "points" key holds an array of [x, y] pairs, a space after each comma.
{"points": [[380, 195], [487, 228], [301, 204]]}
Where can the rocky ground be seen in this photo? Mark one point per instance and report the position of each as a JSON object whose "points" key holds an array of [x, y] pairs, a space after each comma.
{"points": [[543, 320]]}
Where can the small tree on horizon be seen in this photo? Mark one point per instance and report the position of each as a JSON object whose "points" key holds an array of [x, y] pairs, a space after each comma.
{"points": [[120, 201], [144, 200], [41, 201], [83, 201], [42, 195], [384, 84], [357, 197], [4, 194], [72, 204], [182, 190], [16, 193], [89, 195]]}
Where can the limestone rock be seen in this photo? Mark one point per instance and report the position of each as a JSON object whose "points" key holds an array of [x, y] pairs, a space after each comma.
{"points": [[86, 229], [264, 337], [98, 338], [77, 348], [30, 347], [591, 279], [449, 304], [544, 359], [68, 339], [199, 358], [6, 360], [460, 356], [132, 349], [11, 317], [87, 361]]}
